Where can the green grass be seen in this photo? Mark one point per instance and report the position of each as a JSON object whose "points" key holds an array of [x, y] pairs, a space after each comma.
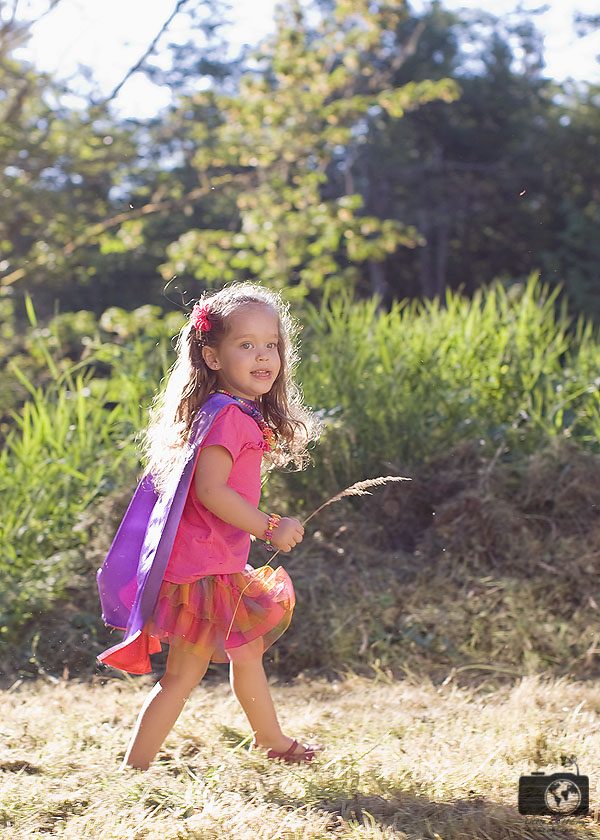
{"points": [[72, 443], [506, 374], [399, 387], [404, 759], [63, 455]]}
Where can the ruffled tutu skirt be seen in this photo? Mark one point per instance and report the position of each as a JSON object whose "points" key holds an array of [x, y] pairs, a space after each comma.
{"points": [[233, 617]]}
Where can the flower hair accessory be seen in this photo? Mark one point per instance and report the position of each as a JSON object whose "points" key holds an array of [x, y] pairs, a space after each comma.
{"points": [[199, 317]]}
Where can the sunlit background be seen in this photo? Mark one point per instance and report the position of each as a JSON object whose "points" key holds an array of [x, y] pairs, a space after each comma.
{"points": [[424, 189], [109, 36]]}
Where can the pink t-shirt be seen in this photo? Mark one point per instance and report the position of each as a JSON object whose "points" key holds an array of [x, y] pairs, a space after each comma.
{"points": [[204, 544]]}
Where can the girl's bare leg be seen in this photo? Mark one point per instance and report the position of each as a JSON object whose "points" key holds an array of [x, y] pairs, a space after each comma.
{"points": [[250, 686], [163, 706]]}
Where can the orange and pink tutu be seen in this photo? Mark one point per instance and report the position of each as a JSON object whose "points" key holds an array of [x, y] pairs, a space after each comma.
{"points": [[231, 617]]}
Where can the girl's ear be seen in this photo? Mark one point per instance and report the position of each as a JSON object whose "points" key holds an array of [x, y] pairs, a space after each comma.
{"points": [[210, 357]]}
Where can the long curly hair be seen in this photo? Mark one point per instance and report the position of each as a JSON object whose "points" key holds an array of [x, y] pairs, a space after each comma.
{"points": [[191, 381]]}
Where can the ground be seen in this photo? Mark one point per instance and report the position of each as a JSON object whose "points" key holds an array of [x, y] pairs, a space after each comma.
{"points": [[404, 759]]}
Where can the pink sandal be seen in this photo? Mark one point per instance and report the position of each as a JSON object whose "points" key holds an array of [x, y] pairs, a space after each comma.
{"points": [[293, 758]]}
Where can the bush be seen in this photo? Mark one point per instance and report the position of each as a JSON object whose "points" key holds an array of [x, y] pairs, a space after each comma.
{"points": [[504, 374], [72, 443], [401, 387]]}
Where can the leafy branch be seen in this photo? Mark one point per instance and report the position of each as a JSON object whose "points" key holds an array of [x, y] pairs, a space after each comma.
{"points": [[90, 234]]}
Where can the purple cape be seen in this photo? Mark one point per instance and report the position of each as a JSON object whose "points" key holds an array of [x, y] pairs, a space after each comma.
{"points": [[132, 574]]}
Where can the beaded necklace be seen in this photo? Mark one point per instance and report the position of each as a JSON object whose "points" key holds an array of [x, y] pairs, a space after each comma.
{"points": [[269, 436]]}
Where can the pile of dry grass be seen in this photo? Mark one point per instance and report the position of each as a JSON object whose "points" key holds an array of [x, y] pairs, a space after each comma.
{"points": [[475, 562]]}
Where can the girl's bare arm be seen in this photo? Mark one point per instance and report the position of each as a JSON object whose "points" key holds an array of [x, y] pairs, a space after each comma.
{"points": [[210, 481]]}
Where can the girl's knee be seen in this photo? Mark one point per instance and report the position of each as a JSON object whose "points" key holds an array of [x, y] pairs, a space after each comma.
{"points": [[184, 666], [179, 684], [248, 666], [253, 654]]}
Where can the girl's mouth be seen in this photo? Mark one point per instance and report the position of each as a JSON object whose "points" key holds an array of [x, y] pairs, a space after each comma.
{"points": [[262, 374]]}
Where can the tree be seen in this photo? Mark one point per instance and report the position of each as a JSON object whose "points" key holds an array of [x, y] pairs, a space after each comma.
{"points": [[459, 170], [76, 184], [572, 181], [303, 107], [340, 154], [58, 167]]}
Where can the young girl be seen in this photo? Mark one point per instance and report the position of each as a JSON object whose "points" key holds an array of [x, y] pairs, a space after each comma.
{"points": [[177, 569]]}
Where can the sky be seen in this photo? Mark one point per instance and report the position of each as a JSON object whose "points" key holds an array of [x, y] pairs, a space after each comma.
{"points": [[109, 36]]}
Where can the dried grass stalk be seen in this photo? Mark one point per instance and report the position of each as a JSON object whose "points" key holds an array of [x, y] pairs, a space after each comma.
{"points": [[360, 488]]}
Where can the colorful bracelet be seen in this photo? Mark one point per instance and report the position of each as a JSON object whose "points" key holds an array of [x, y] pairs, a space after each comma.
{"points": [[273, 523]]}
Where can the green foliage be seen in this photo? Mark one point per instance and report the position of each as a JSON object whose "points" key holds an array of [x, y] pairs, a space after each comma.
{"points": [[498, 182], [305, 107], [396, 389], [57, 168], [400, 387], [363, 146], [64, 453], [72, 442], [570, 250], [133, 344]]}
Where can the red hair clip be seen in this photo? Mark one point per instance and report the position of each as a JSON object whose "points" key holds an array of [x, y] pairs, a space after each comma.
{"points": [[199, 317]]}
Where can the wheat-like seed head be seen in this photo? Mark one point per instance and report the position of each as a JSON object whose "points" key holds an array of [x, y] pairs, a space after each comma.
{"points": [[360, 488]]}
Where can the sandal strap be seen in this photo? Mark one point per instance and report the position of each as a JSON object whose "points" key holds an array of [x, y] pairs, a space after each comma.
{"points": [[287, 755], [291, 756], [290, 750]]}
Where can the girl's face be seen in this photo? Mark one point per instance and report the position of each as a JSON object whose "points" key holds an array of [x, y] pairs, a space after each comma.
{"points": [[247, 357]]}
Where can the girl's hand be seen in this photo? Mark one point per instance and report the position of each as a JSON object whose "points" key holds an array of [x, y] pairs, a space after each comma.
{"points": [[288, 533]]}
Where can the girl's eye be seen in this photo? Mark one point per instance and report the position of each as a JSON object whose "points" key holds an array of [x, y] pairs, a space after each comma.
{"points": [[246, 345], [272, 345]]}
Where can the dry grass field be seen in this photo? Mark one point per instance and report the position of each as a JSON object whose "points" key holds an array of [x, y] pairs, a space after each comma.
{"points": [[404, 759]]}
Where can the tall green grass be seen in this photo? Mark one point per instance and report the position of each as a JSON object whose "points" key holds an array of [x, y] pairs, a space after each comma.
{"points": [[399, 387], [395, 389], [62, 455], [72, 443]]}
